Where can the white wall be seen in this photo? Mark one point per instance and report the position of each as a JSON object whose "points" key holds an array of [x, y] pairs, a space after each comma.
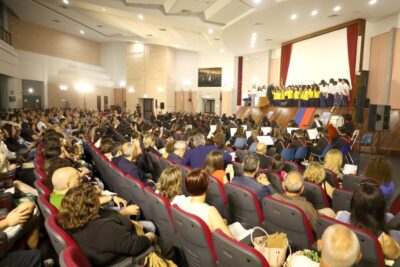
{"points": [[113, 60], [255, 70], [374, 28], [186, 70], [321, 57]]}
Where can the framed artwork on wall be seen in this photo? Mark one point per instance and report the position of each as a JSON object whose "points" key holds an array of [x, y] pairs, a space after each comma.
{"points": [[210, 77]]}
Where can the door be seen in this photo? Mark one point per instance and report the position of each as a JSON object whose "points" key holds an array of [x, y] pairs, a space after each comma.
{"points": [[106, 102], [99, 102], [209, 105], [148, 107], [32, 101]]}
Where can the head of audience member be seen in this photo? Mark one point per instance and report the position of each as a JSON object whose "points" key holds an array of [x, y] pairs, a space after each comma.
{"points": [[4, 164], [315, 173], [333, 160], [240, 132], [378, 169], [339, 247], [169, 146], [316, 117], [53, 165], [293, 184], [130, 151], [169, 183], [198, 139], [250, 164], [214, 162], [79, 206], [116, 149], [180, 148], [368, 207], [52, 152], [197, 183], [278, 163], [149, 141], [105, 145], [64, 179], [219, 140], [323, 133], [261, 149], [9, 130]]}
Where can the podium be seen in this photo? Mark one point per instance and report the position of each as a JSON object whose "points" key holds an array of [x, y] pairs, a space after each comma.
{"points": [[262, 102]]}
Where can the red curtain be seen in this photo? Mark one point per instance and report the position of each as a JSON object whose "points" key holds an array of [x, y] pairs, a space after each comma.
{"points": [[239, 81], [286, 53], [352, 37]]}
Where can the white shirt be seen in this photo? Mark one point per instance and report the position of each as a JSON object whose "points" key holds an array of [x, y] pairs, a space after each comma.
{"points": [[41, 125], [201, 210]]}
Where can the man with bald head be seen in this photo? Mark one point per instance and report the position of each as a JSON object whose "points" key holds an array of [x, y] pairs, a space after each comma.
{"points": [[293, 186], [339, 247], [261, 152]]}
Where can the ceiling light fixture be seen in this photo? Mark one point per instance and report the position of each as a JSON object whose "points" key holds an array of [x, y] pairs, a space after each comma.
{"points": [[254, 34], [293, 17], [82, 32], [256, 1], [30, 90], [314, 12], [104, 9], [252, 45], [140, 16], [222, 50], [210, 31], [66, 2], [63, 87], [131, 90], [337, 8], [372, 2], [178, 46]]}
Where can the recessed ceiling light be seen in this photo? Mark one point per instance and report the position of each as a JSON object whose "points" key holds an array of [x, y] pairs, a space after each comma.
{"points": [[66, 2], [254, 34], [140, 16], [293, 17], [30, 90], [256, 1], [372, 2], [314, 12], [82, 32], [221, 50], [104, 9], [178, 46], [210, 31], [337, 8]]}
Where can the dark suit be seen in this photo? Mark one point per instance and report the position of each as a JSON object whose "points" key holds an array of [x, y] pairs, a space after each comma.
{"points": [[250, 183], [130, 168], [195, 157], [265, 162], [175, 158]]}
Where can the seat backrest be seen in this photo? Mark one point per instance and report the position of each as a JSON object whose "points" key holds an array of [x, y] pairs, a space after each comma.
{"points": [[252, 147], [137, 189], [372, 255], [41, 188], [292, 166], [240, 142], [39, 174], [287, 153], [350, 182], [316, 195], [366, 139], [240, 155], [164, 163], [216, 197], [341, 199], [275, 179], [237, 168], [234, 253], [162, 216], [46, 207], [283, 217], [331, 178], [301, 153], [195, 237], [395, 206], [243, 206], [185, 170], [58, 237], [73, 256]]}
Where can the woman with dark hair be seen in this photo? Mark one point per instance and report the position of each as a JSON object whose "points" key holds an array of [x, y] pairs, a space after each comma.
{"points": [[197, 183], [368, 212], [105, 236], [378, 169], [214, 166], [105, 147], [12, 141], [278, 165]]}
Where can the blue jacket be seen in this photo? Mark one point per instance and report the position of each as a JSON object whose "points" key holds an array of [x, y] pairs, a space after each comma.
{"points": [[250, 183], [130, 168], [195, 157], [175, 158]]}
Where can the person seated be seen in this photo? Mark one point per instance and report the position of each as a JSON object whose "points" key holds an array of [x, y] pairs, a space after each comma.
{"points": [[169, 185], [333, 161], [149, 144], [5, 165], [179, 152], [214, 166], [348, 124], [261, 151], [283, 143], [299, 140], [317, 123], [195, 157], [323, 141], [105, 147], [197, 183], [378, 169], [342, 140], [278, 165], [219, 142], [116, 150], [339, 246], [80, 215], [293, 186], [315, 173], [259, 183], [169, 148], [368, 208]]}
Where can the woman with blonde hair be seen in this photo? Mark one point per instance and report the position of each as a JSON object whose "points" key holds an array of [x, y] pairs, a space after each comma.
{"points": [[149, 144], [315, 173], [169, 185], [333, 161]]}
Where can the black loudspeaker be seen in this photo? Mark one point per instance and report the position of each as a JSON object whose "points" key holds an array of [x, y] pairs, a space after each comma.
{"points": [[360, 103], [156, 103], [162, 105], [378, 118]]}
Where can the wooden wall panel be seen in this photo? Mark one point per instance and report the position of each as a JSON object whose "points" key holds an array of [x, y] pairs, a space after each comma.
{"points": [[35, 38], [274, 71], [395, 90]]}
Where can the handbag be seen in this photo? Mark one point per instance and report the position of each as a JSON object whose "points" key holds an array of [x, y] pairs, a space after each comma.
{"points": [[273, 247]]}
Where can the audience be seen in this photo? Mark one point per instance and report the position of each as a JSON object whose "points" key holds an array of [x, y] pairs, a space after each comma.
{"points": [[169, 185], [378, 169], [333, 161], [214, 166], [259, 183], [178, 153], [261, 152], [315, 173]]}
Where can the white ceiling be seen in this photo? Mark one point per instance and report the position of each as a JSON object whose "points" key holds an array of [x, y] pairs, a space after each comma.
{"points": [[185, 23]]}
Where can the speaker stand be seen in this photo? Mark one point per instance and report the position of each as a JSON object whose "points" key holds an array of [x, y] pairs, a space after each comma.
{"points": [[377, 150]]}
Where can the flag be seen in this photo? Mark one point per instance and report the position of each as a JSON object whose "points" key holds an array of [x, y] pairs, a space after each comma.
{"points": [[304, 116]]}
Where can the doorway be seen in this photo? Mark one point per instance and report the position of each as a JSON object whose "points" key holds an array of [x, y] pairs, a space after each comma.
{"points": [[148, 107], [32, 101], [209, 105], [99, 102]]}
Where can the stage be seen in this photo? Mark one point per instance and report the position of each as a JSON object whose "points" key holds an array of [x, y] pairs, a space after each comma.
{"points": [[389, 141]]}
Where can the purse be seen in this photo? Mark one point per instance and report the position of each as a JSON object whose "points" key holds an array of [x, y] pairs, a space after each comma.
{"points": [[272, 247]]}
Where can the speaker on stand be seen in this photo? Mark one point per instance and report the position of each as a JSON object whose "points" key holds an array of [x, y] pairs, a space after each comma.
{"points": [[378, 120]]}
